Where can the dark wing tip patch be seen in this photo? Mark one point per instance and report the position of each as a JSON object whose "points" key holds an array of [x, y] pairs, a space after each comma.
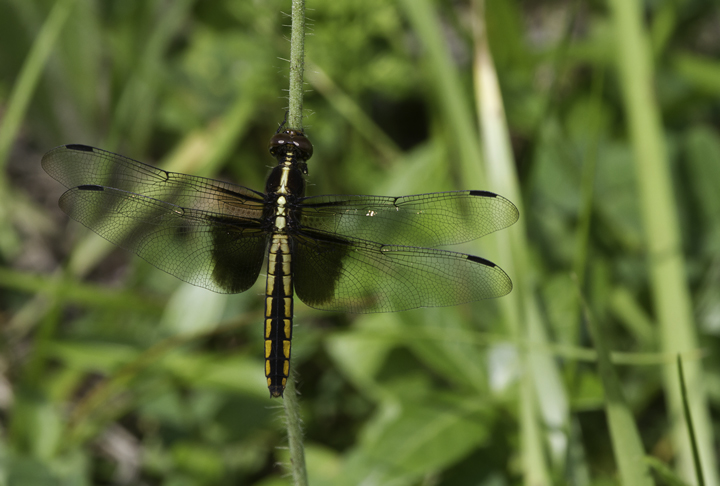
{"points": [[481, 260], [483, 193], [79, 147], [90, 187]]}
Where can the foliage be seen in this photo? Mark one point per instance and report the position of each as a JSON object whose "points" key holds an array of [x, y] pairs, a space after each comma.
{"points": [[116, 373]]}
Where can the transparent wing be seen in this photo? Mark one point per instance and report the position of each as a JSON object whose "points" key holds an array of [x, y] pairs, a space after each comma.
{"points": [[218, 253], [436, 219], [78, 165], [353, 275], [205, 232]]}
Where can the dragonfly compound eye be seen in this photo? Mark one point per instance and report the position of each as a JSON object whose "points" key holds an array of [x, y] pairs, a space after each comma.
{"points": [[295, 139], [304, 148]]}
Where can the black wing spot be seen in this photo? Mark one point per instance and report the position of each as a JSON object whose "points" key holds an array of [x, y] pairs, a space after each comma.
{"points": [[90, 187], [319, 259], [481, 260], [483, 193], [235, 270], [79, 147]]}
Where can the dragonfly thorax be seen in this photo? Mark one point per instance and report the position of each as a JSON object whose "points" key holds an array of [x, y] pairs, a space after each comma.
{"points": [[286, 180]]}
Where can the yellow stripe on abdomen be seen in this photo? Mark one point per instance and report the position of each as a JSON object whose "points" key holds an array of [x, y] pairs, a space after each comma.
{"points": [[278, 314]]}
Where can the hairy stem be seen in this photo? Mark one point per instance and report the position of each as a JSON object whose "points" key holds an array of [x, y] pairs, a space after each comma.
{"points": [[290, 400]]}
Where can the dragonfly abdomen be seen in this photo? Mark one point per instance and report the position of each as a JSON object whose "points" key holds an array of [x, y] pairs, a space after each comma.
{"points": [[278, 314]]}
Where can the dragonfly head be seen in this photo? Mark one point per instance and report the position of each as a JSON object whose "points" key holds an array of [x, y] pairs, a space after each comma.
{"points": [[291, 141]]}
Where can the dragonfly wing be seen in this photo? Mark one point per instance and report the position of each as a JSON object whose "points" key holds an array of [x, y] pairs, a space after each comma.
{"points": [[78, 165], [436, 219], [353, 275], [221, 253]]}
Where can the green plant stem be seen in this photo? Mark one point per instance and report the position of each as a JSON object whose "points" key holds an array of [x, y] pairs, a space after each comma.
{"points": [[544, 398], [293, 422], [627, 444], [297, 65], [17, 105], [29, 76], [77, 293], [131, 125], [290, 399], [498, 163], [353, 113], [671, 295], [691, 429]]}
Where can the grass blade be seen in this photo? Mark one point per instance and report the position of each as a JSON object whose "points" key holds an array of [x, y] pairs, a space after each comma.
{"points": [[691, 429], [659, 213], [541, 388], [625, 436], [29, 76]]}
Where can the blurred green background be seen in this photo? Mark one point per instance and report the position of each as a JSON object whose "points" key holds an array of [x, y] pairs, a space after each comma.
{"points": [[114, 372]]}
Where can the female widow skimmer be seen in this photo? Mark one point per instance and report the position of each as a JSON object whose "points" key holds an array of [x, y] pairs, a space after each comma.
{"points": [[338, 252]]}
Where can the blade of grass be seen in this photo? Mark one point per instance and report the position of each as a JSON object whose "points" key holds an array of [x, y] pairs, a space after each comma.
{"points": [[521, 309], [17, 105], [353, 113], [589, 155], [626, 308], [671, 295], [666, 475], [625, 436], [29, 77], [135, 112], [691, 429], [86, 295], [447, 88], [387, 333]]}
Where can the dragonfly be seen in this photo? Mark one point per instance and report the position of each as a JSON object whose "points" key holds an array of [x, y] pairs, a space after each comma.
{"points": [[345, 253]]}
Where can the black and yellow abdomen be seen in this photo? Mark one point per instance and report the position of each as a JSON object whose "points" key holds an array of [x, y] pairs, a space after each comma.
{"points": [[278, 314], [284, 186]]}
